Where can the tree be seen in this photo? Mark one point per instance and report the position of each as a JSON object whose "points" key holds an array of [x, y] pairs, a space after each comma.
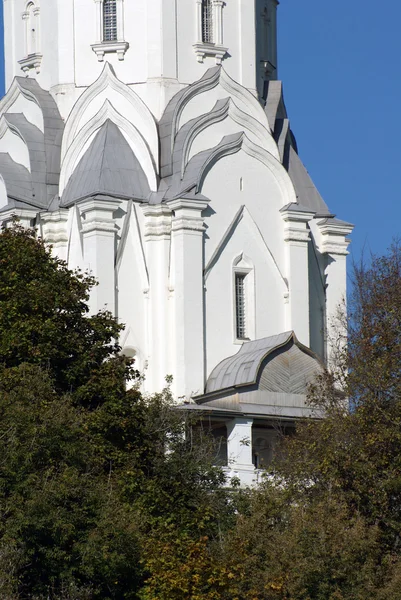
{"points": [[326, 524], [91, 470]]}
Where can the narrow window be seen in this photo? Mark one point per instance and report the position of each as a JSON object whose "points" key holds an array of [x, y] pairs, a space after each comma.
{"points": [[240, 307], [109, 20], [207, 22]]}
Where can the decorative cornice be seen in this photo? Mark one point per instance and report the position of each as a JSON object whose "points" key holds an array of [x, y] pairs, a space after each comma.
{"points": [[334, 240], [296, 220], [32, 61], [54, 227], [188, 215], [102, 48], [157, 221], [202, 50], [98, 215]]}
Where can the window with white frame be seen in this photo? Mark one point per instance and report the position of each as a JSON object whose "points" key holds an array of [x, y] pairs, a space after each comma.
{"points": [[110, 29], [210, 30], [31, 18], [207, 22], [240, 306], [110, 33], [243, 299]]}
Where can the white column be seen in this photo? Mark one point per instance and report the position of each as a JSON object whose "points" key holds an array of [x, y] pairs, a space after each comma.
{"points": [[247, 36], [25, 18], [239, 446], [120, 20], [36, 25], [296, 237], [187, 281], [218, 22], [54, 231], [334, 244], [99, 233], [157, 250], [99, 21], [199, 33]]}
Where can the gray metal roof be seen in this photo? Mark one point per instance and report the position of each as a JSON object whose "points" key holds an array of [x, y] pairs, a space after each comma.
{"points": [[108, 167], [36, 187], [18, 181], [243, 368], [306, 191]]}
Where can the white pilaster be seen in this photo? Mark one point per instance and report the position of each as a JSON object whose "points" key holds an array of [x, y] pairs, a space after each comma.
{"points": [[296, 237], [334, 244], [187, 282], [54, 231], [99, 238], [157, 250], [239, 448]]}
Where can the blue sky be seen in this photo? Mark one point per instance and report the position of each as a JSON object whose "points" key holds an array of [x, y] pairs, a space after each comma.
{"points": [[341, 68]]}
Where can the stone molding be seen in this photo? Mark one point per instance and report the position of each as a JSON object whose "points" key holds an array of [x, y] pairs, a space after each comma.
{"points": [[32, 61], [102, 48], [334, 237], [97, 215]]}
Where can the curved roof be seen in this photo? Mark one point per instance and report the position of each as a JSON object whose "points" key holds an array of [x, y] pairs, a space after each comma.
{"points": [[244, 368], [108, 167]]}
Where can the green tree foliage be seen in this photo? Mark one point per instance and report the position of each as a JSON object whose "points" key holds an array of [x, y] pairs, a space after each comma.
{"points": [[90, 470], [326, 524]]}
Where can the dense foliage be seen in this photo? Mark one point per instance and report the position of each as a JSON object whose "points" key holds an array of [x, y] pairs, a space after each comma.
{"points": [[103, 496], [95, 479]]}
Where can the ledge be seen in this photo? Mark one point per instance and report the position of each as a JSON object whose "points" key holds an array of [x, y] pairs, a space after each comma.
{"points": [[101, 48], [202, 50], [32, 61]]}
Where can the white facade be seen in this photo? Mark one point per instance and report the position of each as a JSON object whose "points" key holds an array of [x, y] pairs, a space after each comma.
{"points": [[149, 142]]}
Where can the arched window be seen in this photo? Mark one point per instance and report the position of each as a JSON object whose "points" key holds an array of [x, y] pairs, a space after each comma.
{"points": [[207, 22], [110, 29], [32, 57], [244, 299], [31, 18], [209, 30]]}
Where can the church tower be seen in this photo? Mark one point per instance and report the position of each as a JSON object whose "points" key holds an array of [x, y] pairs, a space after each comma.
{"points": [[149, 143]]}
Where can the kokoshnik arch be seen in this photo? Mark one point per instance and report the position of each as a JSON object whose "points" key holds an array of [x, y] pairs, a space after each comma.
{"points": [[148, 141]]}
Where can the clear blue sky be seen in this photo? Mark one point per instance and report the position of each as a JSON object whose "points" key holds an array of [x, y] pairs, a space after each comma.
{"points": [[341, 67]]}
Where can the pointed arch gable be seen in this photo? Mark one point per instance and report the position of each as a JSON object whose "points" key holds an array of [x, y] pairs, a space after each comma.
{"points": [[141, 117], [244, 215], [19, 99], [174, 118], [231, 145], [134, 138]]}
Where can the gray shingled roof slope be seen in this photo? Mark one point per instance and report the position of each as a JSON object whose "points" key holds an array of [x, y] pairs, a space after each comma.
{"points": [[108, 167], [18, 181], [306, 191], [243, 368], [36, 187], [53, 131]]}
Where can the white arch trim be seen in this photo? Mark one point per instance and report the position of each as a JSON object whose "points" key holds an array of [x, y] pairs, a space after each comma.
{"points": [[132, 135], [14, 93], [221, 110], [243, 142], [15, 146], [108, 79]]}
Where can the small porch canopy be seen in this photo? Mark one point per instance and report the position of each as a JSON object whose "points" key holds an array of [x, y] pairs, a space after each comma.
{"points": [[257, 395]]}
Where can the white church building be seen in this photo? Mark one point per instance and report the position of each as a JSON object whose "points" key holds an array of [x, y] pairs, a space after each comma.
{"points": [[149, 143]]}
